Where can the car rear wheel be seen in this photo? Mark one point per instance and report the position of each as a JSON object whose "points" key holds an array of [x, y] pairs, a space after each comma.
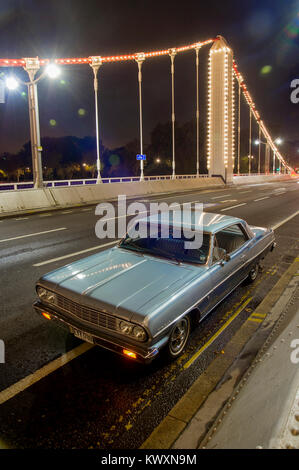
{"points": [[253, 273], [178, 337]]}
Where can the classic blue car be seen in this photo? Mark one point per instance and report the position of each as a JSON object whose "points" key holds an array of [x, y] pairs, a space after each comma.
{"points": [[143, 295]]}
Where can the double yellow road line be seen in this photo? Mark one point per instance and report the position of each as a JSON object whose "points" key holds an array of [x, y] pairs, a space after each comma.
{"points": [[215, 336]]}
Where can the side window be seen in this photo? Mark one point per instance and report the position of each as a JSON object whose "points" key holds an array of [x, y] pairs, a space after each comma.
{"points": [[217, 252], [231, 238]]}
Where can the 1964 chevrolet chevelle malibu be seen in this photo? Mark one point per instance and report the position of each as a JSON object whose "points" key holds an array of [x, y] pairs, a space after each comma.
{"points": [[144, 294]]}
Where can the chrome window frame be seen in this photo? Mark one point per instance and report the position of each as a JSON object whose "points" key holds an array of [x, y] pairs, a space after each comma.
{"points": [[244, 231]]}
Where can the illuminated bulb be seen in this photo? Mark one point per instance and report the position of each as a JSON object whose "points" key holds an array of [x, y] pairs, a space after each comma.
{"points": [[12, 83], [52, 71]]}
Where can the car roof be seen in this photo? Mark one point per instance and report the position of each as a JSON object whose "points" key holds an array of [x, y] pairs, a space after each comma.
{"points": [[210, 222]]}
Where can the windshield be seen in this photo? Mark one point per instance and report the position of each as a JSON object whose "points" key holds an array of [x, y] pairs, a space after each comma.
{"points": [[168, 247]]}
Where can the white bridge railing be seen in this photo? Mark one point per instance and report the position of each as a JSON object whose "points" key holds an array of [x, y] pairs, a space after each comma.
{"points": [[259, 174], [80, 182]]}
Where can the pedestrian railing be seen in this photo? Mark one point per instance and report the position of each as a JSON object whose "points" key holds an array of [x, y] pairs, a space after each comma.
{"points": [[83, 182], [259, 174]]}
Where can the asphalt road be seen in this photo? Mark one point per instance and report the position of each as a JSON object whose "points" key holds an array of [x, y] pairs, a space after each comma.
{"points": [[101, 400]]}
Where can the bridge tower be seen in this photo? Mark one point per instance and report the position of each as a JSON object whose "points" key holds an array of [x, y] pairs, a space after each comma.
{"points": [[220, 138]]}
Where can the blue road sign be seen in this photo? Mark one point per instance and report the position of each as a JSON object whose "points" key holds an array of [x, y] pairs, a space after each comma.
{"points": [[140, 157]]}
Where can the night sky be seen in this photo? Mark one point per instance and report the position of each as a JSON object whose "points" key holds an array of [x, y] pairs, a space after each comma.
{"points": [[261, 33]]}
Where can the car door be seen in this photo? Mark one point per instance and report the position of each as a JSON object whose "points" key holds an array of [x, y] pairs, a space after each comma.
{"points": [[225, 275]]}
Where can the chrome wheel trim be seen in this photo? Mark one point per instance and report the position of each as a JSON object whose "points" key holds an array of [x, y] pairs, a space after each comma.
{"points": [[253, 273], [179, 336]]}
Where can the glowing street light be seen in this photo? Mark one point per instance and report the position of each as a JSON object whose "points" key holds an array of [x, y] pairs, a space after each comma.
{"points": [[52, 71], [278, 141], [11, 83]]}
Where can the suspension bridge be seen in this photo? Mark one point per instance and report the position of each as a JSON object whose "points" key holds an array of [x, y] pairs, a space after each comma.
{"points": [[225, 89], [118, 405]]}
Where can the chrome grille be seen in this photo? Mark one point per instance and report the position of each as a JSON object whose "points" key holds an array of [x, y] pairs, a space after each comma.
{"points": [[86, 314]]}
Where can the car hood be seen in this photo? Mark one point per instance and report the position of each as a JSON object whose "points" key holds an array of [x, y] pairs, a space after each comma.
{"points": [[122, 282]]}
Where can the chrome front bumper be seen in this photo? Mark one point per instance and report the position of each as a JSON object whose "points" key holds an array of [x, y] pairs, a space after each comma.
{"points": [[104, 341]]}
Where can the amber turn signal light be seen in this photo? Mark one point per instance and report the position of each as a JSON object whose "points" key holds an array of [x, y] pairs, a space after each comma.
{"points": [[46, 315], [130, 354]]}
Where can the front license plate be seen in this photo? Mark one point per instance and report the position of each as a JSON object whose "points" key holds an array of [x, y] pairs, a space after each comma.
{"points": [[82, 335]]}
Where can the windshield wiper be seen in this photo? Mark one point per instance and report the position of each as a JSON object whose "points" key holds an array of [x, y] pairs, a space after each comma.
{"points": [[132, 247], [167, 255]]}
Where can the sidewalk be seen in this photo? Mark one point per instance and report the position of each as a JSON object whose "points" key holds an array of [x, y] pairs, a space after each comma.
{"points": [[263, 410], [244, 397]]}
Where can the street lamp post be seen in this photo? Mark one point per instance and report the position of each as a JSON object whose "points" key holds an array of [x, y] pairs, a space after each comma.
{"points": [[96, 63], [32, 66]]}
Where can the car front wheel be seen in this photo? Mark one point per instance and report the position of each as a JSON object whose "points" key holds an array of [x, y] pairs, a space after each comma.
{"points": [[178, 337]]}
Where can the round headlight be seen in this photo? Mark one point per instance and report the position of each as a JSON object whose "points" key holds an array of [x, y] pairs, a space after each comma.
{"points": [[139, 333], [42, 293], [51, 297], [125, 327], [46, 295]]}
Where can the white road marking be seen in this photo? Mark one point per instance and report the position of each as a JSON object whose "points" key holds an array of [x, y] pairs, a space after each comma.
{"points": [[22, 218], [45, 215], [159, 198], [39, 374], [218, 197], [261, 198], [229, 200], [66, 212], [274, 227], [53, 260], [232, 207], [32, 234], [87, 209], [190, 202], [176, 195], [121, 216], [243, 192]]}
